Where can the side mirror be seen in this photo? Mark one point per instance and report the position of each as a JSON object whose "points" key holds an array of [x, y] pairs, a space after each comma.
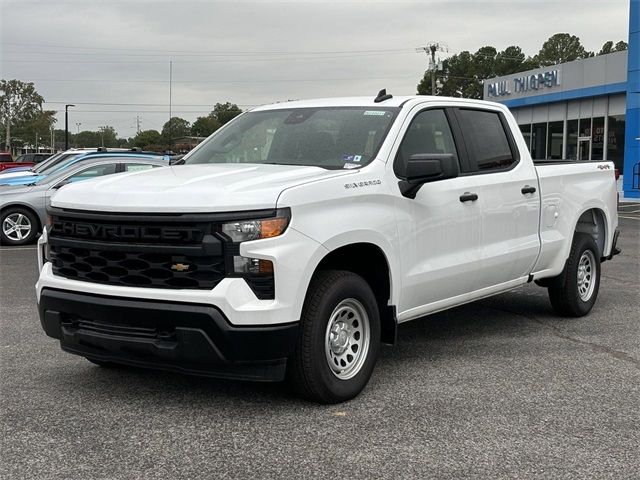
{"points": [[427, 167]]}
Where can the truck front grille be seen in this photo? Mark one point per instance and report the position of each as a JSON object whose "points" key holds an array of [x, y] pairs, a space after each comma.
{"points": [[181, 251], [171, 251], [137, 269]]}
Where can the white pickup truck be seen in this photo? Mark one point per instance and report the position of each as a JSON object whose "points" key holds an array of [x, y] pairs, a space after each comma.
{"points": [[292, 241]]}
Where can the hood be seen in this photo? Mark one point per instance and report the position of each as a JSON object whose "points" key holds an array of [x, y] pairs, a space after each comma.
{"points": [[190, 188], [21, 180]]}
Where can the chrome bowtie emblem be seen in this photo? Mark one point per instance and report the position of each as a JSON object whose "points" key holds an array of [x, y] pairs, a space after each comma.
{"points": [[179, 267]]}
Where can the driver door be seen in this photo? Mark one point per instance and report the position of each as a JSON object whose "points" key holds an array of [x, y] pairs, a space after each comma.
{"points": [[439, 231]]}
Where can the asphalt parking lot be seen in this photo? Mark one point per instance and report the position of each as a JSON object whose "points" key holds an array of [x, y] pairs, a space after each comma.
{"points": [[501, 388]]}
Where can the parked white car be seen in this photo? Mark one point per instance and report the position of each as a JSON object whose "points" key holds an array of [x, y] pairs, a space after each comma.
{"points": [[298, 236]]}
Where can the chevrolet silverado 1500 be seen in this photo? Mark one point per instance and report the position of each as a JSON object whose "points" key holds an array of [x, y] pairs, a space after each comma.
{"points": [[292, 241]]}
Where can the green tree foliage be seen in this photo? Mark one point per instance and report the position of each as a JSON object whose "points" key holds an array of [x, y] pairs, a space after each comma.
{"points": [[205, 126], [224, 112], [19, 102], [463, 74], [147, 138], [609, 47], [465, 71], [35, 130], [175, 128], [561, 48]]}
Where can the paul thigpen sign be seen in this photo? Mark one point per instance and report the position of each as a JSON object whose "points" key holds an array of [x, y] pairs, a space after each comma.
{"points": [[526, 83]]}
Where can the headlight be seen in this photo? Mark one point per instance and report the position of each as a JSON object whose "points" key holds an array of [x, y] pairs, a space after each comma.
{"points": [[247, 230]]}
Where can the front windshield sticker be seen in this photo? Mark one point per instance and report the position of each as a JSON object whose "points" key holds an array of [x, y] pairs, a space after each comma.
{"points": [[351, 158], [377, 113]]}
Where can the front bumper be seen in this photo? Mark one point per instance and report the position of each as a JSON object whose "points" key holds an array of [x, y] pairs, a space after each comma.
{"points": [[183, 337]]}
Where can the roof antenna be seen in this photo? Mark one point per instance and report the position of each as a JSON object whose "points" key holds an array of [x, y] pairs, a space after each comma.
{"points": [[382, 96]]}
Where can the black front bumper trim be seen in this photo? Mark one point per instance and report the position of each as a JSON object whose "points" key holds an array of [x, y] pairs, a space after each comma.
{"points": [[188, 338]]}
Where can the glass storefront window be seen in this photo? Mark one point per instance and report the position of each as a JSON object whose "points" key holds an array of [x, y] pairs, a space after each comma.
{"points": [[526, 133], [572, 139], [538, 141], [597, 139], [615, 142], [554, 141]]}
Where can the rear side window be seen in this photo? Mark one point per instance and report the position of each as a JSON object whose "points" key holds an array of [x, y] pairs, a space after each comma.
{"points": [[137, 167], [429, 132], [486, 140]]}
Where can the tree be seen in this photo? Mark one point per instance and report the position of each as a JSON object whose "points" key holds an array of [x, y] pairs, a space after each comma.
{"points": [[621, 46], [608, 47], [19, 102], [107, 137], [38, 127], [174, 128], [561, 48], [464, 72], [204, 126], [147, 137], [224, 112]]}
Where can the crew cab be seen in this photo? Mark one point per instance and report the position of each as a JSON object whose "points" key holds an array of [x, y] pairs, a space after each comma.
{"points": [[294, 240]]}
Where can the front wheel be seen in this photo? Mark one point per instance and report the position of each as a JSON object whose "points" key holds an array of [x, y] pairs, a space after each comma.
{"points": [[576, 290], [18, 226], [339, 338]]}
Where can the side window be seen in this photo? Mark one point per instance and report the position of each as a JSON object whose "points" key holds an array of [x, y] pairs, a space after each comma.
{"points": [[429, 132], [138, 167], [92, 172], [486, 140]]}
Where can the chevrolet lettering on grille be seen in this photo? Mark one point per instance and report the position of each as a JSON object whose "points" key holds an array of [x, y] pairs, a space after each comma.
{"points": [[125, 232]]}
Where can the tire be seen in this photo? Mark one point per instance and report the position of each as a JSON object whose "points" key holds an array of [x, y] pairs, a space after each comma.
{"points": [[339, 338], [18, 226], [576, 289]]}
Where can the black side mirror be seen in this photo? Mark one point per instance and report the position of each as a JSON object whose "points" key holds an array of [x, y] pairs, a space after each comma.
{"points": [[427, 167]]}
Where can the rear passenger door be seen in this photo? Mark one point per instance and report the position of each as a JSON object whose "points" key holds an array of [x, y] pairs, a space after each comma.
{"points": [[509, 202]]}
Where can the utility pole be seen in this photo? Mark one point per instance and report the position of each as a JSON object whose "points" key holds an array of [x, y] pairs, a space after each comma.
{"points": [[77, 133], [170, 85], [66, 126], [137, 124], [102, 135], [430, 49]]}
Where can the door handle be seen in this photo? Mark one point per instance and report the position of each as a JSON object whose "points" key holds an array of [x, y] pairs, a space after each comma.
{"points": [[528, 189], [468, 197]]}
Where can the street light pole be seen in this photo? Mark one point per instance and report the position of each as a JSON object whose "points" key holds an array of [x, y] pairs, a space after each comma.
{"points": [[66, 126]]}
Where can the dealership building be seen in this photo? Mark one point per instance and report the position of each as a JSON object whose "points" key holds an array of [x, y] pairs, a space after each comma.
{"points": [[584, 110]]}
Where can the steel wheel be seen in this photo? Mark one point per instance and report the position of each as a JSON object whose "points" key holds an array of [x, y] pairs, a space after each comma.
{"points": [[347, 339], [16, 226], [586, 273]]}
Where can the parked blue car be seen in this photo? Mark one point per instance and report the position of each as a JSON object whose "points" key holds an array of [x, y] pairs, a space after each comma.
{"points": [[61, 163]]}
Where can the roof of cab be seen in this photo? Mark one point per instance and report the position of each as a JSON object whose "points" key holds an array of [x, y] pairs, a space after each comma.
{"points": [[339, 102]]}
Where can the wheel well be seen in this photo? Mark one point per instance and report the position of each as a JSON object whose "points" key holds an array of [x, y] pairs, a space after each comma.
{"points": [[368, 261], [23, 207], [592, 222]]}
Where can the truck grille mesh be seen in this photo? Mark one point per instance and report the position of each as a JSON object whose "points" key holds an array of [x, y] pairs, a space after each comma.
{"points": [[151, 251], [151, 254], [137, 269]]}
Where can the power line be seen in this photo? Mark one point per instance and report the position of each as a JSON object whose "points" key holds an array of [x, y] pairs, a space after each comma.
{"points": [[231, 60], [293, 80], [213, 52]]}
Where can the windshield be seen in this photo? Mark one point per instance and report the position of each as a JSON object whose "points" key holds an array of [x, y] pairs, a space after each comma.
{"points": [[51, 164], [324, 137]]}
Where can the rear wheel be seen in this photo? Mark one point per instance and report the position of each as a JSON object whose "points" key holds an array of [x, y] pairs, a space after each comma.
{"points": [[575, 291], [18, 226], [339, 338]]}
